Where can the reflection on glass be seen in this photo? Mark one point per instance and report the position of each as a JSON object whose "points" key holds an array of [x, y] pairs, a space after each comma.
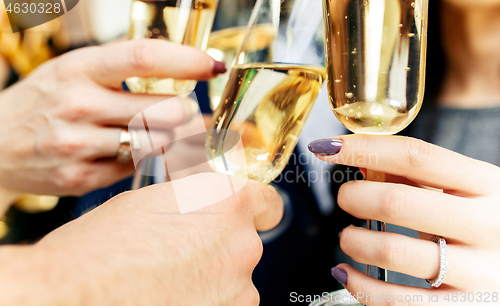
{"points": [[277, 76], [376, 62], [186, 22], [224, 45]]}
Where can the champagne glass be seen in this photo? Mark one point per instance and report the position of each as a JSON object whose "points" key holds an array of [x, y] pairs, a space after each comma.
{"points": [[186, 22], [376, 52], [271, 90], [224, 43]]}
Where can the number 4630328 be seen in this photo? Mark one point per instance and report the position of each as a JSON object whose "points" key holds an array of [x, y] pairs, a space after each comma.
{"points": [[33, 8]]}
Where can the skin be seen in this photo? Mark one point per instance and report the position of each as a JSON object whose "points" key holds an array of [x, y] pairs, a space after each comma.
{"points": [[137, 249], [424, 188], [471, 42], [62, 126], [424, 191], [62, 123]]}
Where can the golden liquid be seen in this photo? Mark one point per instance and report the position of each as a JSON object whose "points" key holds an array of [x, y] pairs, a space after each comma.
{"points": [[188, 23], [376, 62], [223, 46], [267, 104]]}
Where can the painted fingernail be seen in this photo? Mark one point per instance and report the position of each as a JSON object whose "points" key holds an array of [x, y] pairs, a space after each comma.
{"points": [[326, 146], [219, 67], [340, 275]]}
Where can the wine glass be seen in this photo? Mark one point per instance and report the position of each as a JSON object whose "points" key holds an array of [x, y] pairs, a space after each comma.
{"points": [[272, 87], [376, 51], [225, 41], [186, 22]]}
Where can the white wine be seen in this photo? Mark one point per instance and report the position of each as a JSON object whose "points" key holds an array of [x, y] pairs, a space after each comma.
{"points": [[373, 117], [223, 46], [376, 62], [186, 22], [267, 105]]}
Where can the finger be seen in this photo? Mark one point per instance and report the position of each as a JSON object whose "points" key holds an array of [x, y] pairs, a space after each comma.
{"points": [[111, 64], [413, 159], [118, 108], [419, 209], [98, 143], [266, 205], [107, 172], [249, 297], [83, 177], [391, 251], [370, 291], [389, 178]]}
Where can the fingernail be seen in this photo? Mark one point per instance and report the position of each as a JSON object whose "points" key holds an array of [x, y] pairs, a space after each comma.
{"points": [[219, 67], [340, 275], [326, 146]]}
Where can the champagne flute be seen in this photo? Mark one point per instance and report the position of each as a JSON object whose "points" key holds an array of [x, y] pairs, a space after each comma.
{"points": [[186, 22], [225, 41], [376, 51], [271, 90]]}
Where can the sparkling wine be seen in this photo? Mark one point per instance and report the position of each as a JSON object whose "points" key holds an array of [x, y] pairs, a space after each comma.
{"points": [[186, 22], [223, 46], [267, 104], [376, 62]]}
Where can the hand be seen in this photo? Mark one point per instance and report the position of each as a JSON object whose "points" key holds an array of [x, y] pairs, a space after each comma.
{"points": [[136, 249], [433, 191], [60, 126]]}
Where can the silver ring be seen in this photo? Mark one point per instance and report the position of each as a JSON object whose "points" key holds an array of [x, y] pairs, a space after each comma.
{"points": [[128, 141], [443, 263]]}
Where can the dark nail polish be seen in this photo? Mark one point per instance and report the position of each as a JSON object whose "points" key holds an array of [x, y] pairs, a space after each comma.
{"points": [[340, 275], [326, 146], [219, 67]]}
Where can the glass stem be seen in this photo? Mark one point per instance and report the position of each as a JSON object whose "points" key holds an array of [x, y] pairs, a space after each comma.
{"points": [[143, 176], [373, 271]]}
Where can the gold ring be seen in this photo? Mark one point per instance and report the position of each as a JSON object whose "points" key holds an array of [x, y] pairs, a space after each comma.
{"points": [[128, 141]]}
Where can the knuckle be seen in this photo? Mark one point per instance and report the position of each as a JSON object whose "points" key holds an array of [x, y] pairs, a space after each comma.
{"points": [[65, 67], [364, 147], [142, 56], [62, 143], [392, 251], [71, 178], [346, 240], [77, 110], [396, 202], [253, 297], [255, 247], [417, 154], [176, 113]]}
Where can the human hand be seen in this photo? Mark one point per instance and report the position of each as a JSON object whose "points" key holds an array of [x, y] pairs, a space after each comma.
{"points": [[61, 125], [139, 244], [429, 189]]}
